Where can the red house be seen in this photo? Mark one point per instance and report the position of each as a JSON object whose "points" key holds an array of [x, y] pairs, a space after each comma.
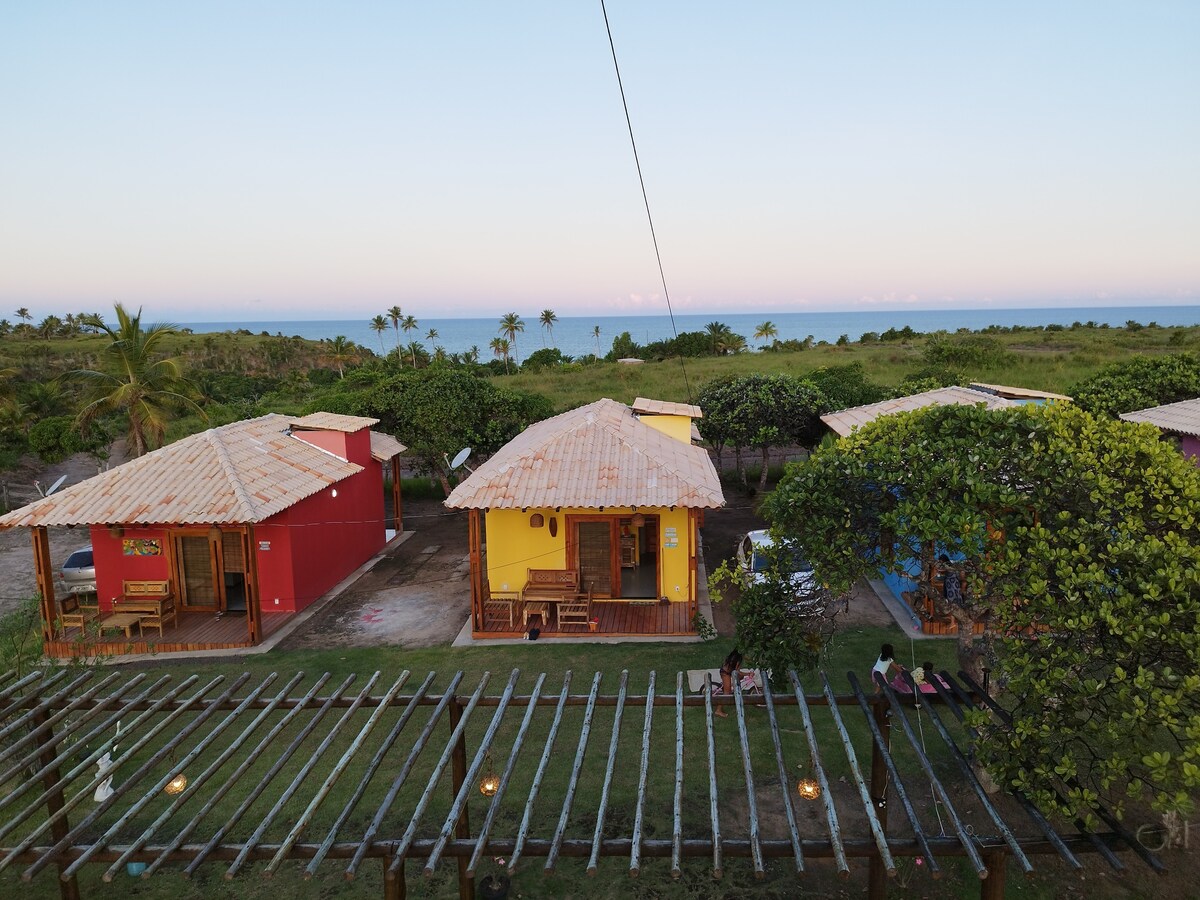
{"points": [[212, 541]]}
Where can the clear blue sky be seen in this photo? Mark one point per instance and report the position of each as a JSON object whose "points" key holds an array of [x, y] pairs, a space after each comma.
{"points": [[314, 160]]}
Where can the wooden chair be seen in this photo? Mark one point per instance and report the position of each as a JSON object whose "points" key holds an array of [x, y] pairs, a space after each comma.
{"points": [[79, 610], [506, 604], [577, 611]]}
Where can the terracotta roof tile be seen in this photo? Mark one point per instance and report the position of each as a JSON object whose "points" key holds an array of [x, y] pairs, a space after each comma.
{"points": [[327, 421], [1017, 393], [384, 446], [846, 420], [240, 473], [666, 408], [1180, 418], [597, 455]]}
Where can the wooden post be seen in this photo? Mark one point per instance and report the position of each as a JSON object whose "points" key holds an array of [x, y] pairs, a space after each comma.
{"points": [[474, 546], [877, 878], [458, 774], [253, 593], [992, 887], [397, 517], [68, 889], [44, 572], [394, 887], [693, 550]]}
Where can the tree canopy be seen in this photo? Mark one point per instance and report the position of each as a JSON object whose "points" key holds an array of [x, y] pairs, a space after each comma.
{"points": [[1077, 542], [1140, 382], [436, 412]]}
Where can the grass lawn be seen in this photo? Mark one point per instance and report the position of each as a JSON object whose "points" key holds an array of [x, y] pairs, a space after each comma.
{"points": [[852, 649]]}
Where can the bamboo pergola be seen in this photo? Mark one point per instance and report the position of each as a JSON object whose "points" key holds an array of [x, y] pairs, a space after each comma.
{"points": [[327, 776]]}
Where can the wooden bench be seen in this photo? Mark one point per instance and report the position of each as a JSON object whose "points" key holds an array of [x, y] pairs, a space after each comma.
{"points": [[151, 599], [560, 587]]}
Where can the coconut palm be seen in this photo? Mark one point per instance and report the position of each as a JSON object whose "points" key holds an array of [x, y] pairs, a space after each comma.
{"points": [[596, 335], [379, 325], [339, 351], [473, 354], [500, 347], [432, 334], [139, 383], [548, 318], [766, 331], [719, 332], [24, 315], [396, 315], [409, 323], [510, 324]]}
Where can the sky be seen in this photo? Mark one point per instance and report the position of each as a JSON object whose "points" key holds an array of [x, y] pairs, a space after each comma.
{"points": [[280, 161]]}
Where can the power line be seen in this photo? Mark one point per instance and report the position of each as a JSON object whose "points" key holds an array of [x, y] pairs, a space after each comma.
{"points": [[645, 198]]}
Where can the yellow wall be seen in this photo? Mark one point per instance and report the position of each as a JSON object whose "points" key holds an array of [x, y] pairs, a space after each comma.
{"points": [[678, 427], [513, 547]]}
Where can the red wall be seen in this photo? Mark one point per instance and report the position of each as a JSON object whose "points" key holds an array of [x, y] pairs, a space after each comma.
{"points": [[322, 539], [113, 566], [312, 546]]}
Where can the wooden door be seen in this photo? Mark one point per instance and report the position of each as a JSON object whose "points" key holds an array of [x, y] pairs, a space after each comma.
{"points": [[594, 545], [199, 586]]}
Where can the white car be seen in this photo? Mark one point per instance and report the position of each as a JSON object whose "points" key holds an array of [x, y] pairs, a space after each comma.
{"points": [[753, 555]]}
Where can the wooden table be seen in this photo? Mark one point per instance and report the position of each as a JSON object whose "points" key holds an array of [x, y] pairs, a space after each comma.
{"points": [[536, 607], [124, 621]]}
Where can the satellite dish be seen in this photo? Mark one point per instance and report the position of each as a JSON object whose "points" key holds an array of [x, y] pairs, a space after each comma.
{"points": [[54, 487], [459, 458]]}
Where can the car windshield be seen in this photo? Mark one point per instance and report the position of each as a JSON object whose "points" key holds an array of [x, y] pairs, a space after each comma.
{"points": [[80, 559], [759, 562]]}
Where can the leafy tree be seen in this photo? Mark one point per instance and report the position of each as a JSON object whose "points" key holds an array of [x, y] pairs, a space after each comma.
{"points": [[777, 628], [967, 351], [1140, 382], [846, 386], [57, 437], [379, 325], [546, 358], [436, 412], [548, 318], [623, 347], [511, 325], [1076, 541], [761, 412], [140, 384], [928, 378]]}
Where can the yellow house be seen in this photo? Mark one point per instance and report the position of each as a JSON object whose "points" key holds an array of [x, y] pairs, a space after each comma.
{"points": [[590, 523]]}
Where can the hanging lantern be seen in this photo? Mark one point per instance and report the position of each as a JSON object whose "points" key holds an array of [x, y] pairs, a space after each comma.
{"points": [[176, 785], [536, 520], [808, 788], [489, 784]]}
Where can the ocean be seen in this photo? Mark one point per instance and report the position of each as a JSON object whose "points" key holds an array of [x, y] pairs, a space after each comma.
{"points": [[574, 335]]}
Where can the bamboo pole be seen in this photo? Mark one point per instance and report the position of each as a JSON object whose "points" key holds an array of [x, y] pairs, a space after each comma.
{"points": [[714, 815], [835, 830], [677, 805], [68, 885], [614, 740], [527, 815], [781, 767], [635, 854], [739, 704], [573, 782]]}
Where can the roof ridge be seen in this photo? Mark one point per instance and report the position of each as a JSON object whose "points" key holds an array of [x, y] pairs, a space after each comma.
{"points": [[674, 471], [239, 490]]}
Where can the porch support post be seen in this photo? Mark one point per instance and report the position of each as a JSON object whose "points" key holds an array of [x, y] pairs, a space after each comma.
{"points": [[253, 594], [475, 545], [68, 889], [877, 877], [394, 887], [397, 517], [44, 572], [693, 575]]}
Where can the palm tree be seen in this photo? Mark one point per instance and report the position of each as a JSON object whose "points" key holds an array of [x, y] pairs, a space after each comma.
{"points": [[432, 334], [379, 325], [766, 331], [596, 335], [140, 383], [719, 332], [473, 353], [500, 347], [548, 318], [410, 324], [510, 324], [396, 315], [24, 315], [339, 352]]}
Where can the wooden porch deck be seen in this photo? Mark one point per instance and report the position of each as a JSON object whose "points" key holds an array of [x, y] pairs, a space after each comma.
{"points": [[618, 618], [193, 631]]}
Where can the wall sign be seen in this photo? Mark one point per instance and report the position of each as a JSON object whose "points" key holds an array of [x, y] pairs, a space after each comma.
{"points": [[141, 547], [264, 545]]}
